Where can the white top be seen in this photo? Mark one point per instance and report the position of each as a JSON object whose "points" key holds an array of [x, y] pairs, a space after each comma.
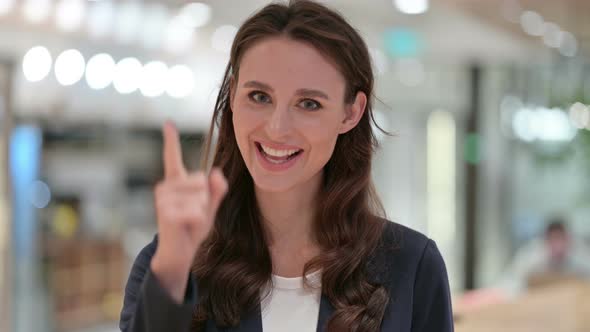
{"points": [[291, 307]]}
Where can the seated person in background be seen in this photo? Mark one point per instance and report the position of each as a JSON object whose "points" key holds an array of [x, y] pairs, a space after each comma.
{"points": [[557, 256]]}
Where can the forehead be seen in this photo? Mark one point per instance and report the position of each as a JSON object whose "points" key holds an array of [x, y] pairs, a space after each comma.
{"points": [[284, 62]]}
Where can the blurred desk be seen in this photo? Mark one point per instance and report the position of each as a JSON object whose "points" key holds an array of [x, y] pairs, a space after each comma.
{"points": [[556, 308]]}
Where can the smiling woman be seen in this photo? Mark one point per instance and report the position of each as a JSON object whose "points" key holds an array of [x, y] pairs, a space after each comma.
{"points": [[286, 233], [300, 117]]}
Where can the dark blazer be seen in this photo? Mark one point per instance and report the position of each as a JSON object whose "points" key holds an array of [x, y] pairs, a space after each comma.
{"points": [[406, 262]]}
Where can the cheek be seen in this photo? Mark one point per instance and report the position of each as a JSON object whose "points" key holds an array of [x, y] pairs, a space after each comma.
{"points": [[322, 137], [241, 125], [244, 121]]}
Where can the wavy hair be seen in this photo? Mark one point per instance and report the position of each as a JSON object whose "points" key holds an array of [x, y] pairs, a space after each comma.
{"points": [[234, 264]]}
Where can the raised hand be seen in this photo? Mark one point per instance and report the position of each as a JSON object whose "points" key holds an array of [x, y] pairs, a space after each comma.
{"points": [[186, 204]]}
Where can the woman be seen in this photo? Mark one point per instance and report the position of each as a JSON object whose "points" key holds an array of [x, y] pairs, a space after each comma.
{"points": [[284, 233]]}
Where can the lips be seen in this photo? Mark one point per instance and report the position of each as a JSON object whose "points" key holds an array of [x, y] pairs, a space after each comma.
{"points": [[274, 158], [276, 155]]}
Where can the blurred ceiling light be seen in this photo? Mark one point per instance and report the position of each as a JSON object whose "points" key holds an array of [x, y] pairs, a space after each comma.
{"points": [[532, 23], [127, 75], [153, 79], [36, 11], [69, 14], [379, 61], [179, 37], [100, 71], [523, 125], [195, 15], [411, 6], [37, 64], [128, 21], [579, 115], [552, 35], [549, 125], [100, 18], [223, 37], [569, 44], [6, 6], [180, 81], [409, 72], [69, 67], [156, 18], [554, 126]]}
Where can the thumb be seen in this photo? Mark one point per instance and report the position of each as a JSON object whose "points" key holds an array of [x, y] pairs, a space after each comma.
{"points": [[217, 188]]}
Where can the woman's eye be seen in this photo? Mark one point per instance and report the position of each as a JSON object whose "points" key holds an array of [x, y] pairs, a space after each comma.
{"points": [[310, 104], [259, 97]]}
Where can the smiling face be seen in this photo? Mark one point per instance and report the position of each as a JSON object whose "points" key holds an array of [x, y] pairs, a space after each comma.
{"points": [[288, 110]]}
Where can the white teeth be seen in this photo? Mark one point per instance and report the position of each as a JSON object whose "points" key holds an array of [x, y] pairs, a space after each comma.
{"points": [[277, 153]]}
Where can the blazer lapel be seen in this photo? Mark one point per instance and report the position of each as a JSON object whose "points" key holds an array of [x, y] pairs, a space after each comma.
{"points": [[250, 323], [326, 311]]}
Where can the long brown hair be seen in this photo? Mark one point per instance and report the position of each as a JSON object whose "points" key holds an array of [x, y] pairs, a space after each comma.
{"points": [[234, 264]]}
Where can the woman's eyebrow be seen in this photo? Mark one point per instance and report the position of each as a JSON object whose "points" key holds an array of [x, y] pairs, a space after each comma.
{"points": [[307, 93], [258, 85], [310, 93]]}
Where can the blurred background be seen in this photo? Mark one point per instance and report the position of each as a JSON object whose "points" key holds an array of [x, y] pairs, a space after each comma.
{"points": [[488, 101]]}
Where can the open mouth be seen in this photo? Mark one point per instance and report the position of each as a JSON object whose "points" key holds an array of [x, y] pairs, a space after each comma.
{"points": [[277, 156]]}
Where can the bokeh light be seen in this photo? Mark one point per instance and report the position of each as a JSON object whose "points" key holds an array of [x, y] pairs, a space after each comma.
{"points": [[411, 7], [180, 81], [100, 71], [532, 23], [6, 6], [402, 42], [37, 64], [69, 67], [579, 115], [39, 194], [195, 15], [153, 79], [549, 125], [552, 35], [36, 11], [178, 36], [101, 16], [127, 75], [569, 44], [69, 14]]}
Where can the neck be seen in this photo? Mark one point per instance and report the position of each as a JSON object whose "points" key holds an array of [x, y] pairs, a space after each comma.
{"points": [[288, 216]]}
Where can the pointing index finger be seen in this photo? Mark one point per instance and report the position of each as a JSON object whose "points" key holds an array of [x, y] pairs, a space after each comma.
{"points": [[172, 154]]}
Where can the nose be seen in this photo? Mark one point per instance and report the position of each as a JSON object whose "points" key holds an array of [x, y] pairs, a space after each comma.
{"points": [[279, 123]]}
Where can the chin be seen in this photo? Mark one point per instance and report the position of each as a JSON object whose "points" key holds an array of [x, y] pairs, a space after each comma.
{"points": [[274, 184]]}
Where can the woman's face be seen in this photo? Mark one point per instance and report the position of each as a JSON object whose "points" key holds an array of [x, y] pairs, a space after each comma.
{"points": [[288, 110]]}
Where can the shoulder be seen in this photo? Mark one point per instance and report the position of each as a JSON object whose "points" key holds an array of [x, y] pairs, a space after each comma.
{"points": [[401, 254], [141, 266]]}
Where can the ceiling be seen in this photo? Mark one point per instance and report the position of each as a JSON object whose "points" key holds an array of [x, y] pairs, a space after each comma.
{"points": [[455, 32]]}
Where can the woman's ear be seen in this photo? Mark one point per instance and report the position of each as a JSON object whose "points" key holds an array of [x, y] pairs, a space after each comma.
{"points": [[354, 112]]}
